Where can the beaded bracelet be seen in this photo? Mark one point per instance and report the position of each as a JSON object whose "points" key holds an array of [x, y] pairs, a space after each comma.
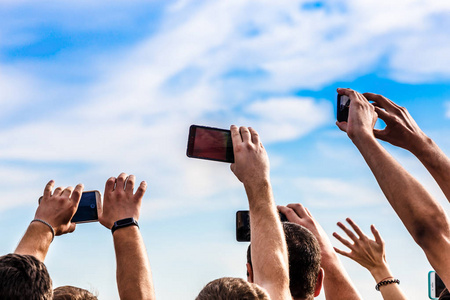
{"points": [[386, 282]]}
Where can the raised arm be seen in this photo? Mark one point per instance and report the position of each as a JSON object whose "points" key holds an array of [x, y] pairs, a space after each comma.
{"points": [[268, 251], [337, 284], [52, 218], [422, 215], [134, 278], [402, 131], [371, 255]]}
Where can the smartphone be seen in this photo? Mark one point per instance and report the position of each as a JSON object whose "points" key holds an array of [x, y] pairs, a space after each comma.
{"points": [[210, 143], [243, 225], [435, 285], [89, 207], [343, 104]]}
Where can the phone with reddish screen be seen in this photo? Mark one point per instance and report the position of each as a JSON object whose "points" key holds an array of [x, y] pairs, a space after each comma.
{"points": [[210, 143]]}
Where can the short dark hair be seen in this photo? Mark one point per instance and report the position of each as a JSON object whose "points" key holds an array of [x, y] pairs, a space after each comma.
{"points": [[24, 277], [226, 288], [68, 292], [304, 259]]}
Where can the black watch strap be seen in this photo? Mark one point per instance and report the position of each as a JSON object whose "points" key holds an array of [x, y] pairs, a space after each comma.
{"points": [[124, 223]]}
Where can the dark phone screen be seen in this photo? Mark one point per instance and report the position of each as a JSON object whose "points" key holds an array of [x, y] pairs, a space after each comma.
{"points": [[210, 143], [343, 104], [243, 225], [440, 286], [87, 209]]}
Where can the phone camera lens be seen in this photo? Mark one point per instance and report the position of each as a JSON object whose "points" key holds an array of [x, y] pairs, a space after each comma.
{"points": [[92, 206]]}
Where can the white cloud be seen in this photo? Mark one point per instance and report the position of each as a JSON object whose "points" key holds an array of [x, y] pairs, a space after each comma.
{"points": [[281, 119], [447, 107]]}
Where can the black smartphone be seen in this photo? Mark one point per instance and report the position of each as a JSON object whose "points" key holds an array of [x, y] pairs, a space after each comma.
{"points": [[210, 143], [243, 225], [435, 285], [343, 104], [89, 207]]}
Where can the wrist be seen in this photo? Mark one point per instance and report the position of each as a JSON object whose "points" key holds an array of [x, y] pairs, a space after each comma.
{"points": [[124, 223], [381, 272], [258, 185], [423, 147], [43, 229]]}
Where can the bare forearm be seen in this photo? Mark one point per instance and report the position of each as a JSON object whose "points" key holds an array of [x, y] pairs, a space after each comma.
{"points": [[269, 251], [436, 162], [35, 241], [422, 216], [134, 278], [337, 283], [419, 212]]}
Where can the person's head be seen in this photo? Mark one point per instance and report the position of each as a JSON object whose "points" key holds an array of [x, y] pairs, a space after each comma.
{"points": [[232, 288], [68, 292], [305, 274], [24, 277]]}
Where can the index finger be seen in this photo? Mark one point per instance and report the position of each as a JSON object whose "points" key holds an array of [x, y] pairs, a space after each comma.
{"points": [[235, 135], [48, 188], [290, 214], [380, 100], [77, 192]]}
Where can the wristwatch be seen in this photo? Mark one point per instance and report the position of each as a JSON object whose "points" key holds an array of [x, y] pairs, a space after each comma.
{"points": [[124, 223]]}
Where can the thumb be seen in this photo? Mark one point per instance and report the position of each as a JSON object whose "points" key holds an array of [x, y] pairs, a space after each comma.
{"points": [[342, 126]]}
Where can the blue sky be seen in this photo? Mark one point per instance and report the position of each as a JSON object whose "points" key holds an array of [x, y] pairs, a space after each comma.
{"points": [[89, 90]]}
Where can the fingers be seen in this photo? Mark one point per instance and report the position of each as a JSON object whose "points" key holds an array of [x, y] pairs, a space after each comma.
{"points": [[342, 240], [299, 209], [120, 182], [109, 185], [141, 190], [58, 191], [347, 254], [129, 186], [255, 136], [380, 100], [290, 214], [76, 194], [356, 228], [245, 134], [377, 235], [342, 126], [349, 233], [48, 188], [235, 135]]}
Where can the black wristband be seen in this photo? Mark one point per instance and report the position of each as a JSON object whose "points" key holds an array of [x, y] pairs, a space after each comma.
{"points": [[124, 223]]}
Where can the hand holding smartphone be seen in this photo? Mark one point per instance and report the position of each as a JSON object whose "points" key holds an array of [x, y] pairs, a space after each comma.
{"points": [[210, 143], [89, 208]]}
